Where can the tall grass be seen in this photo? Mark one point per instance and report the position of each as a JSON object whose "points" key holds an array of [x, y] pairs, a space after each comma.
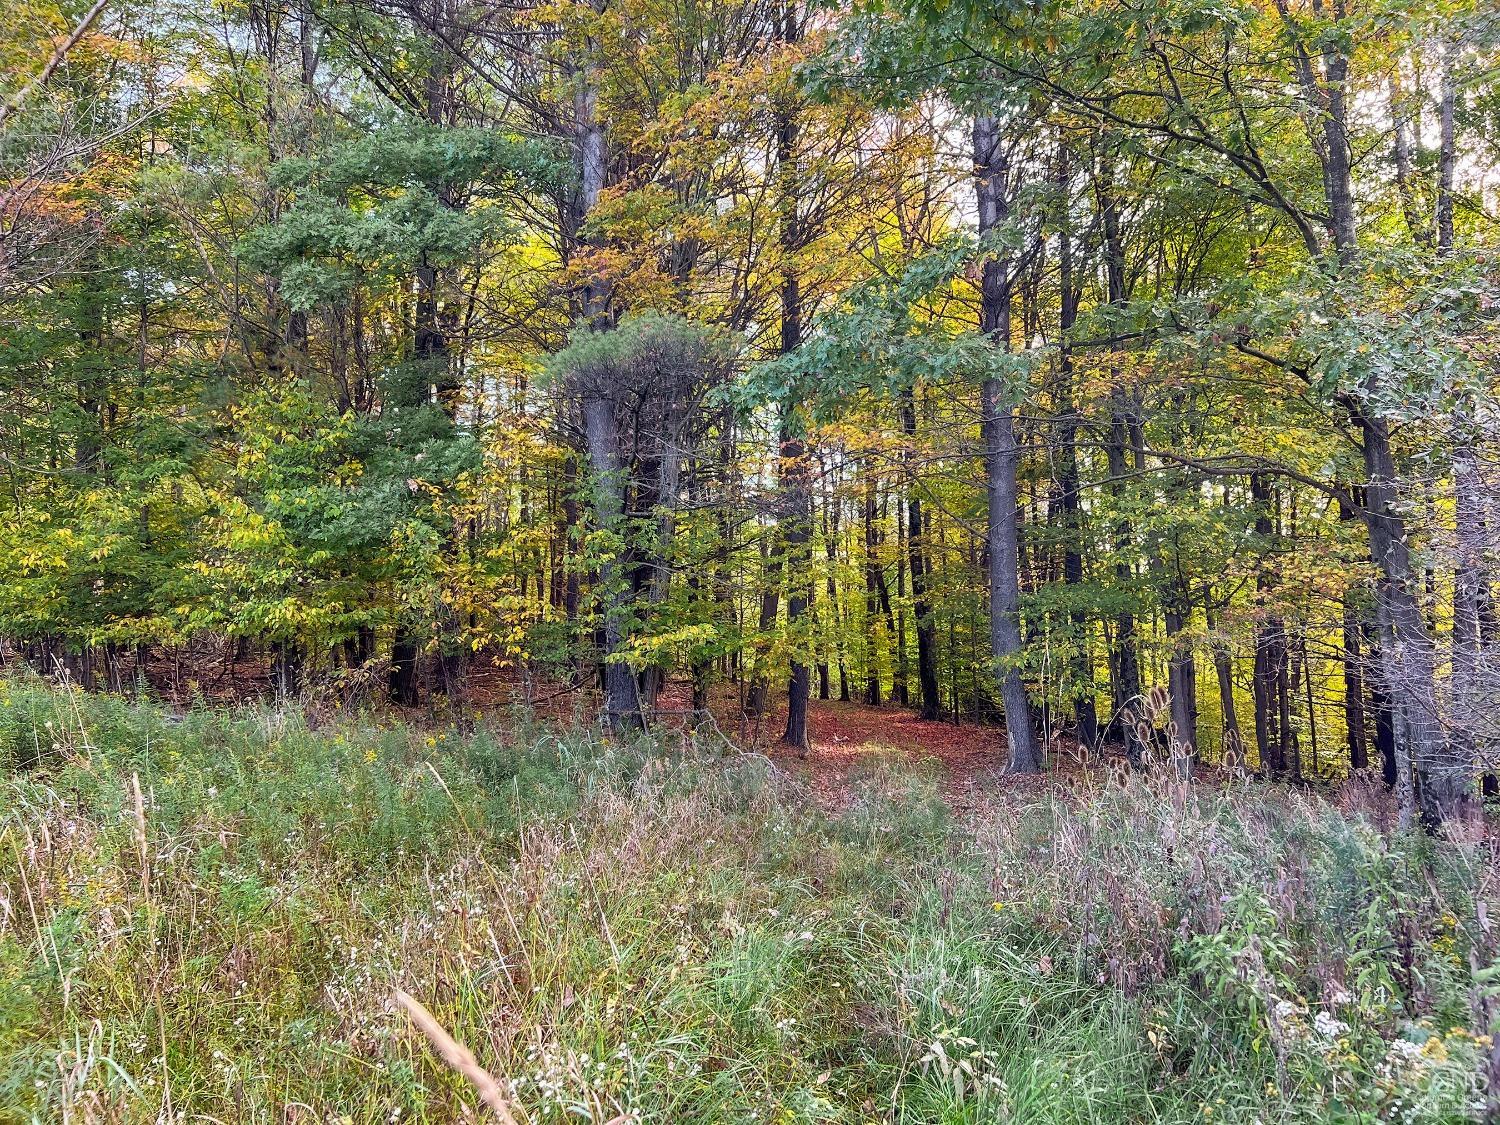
{"points": [[209, 917]]}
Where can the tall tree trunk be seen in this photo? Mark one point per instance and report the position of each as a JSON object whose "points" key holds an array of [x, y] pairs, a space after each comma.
{"points": [[796, 472], [659, 565], [798, 483], [1069, 493], [1233, 740], [572, 590], [872, 596], [1407, 649], [1401, 153], [1470, 584], [430, 350], [1383, 730], [757, 699], [1267, 676], [835, 609], [1182, 668], [828, 626], [601, 423], [1354, 677], [916, 547], [1125, 663], [1471, 581], [1354, 690], [622, 707], [1409, 659], [901, 686], [1447, 148], [1002, 454], [1407, 667]]}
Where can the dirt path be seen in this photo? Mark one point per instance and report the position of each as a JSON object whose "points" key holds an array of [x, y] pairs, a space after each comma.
{"points": [[846, 740], [847, 737]]}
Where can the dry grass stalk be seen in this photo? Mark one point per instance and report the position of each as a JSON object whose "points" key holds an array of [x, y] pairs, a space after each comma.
{"points": [[141, 846], [459, 1057]]}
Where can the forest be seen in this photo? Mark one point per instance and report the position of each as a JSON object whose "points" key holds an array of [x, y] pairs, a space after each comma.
{"points": [[1022, 476]]}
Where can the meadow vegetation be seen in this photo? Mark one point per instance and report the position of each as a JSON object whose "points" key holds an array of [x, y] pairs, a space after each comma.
{"points": [[204, 917]]}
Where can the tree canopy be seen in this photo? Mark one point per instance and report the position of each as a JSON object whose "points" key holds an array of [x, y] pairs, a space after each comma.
{"points": [[1121, 373]]}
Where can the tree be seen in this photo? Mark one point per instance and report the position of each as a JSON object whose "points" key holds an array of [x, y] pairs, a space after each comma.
{"points": [[641, 386]]}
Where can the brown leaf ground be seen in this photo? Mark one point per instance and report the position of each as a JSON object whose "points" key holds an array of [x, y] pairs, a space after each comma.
{"points": [[847, 740]]}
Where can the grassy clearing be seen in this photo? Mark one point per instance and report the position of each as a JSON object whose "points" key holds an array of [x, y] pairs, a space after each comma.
{"points": [[677, 936]]}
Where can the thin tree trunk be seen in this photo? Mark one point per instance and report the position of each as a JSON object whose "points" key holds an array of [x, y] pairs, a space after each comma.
{"points": [[1270, 645], [1401, 152], [798, 541], [835, 603], [1447, 149], [1353, 667], [1441, 775], [1471, 581], [757, 699], [1125, 665], [431, 351], [571, 585], [1069, 494], [901, 686], [916, 547], [1182, 668], [1233, 740], [796, 472], [872, 596]]}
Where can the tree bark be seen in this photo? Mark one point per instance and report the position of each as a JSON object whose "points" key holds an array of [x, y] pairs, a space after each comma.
{"points": [[1002, 454], [796, 474], [1447, 149], [601, 424], [797, 482], [622, 707], [756, 700], [1069, 494], [872, 596], [916, 547], [1409, 660], [1408, 663], [1233, 740], [1401, 153], [430, 351], [1182, 669], [1268, 676], [1125, 664], [1354, 682]]}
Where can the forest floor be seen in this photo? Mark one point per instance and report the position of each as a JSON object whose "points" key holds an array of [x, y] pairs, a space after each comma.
{"points": [[847, 740]]}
